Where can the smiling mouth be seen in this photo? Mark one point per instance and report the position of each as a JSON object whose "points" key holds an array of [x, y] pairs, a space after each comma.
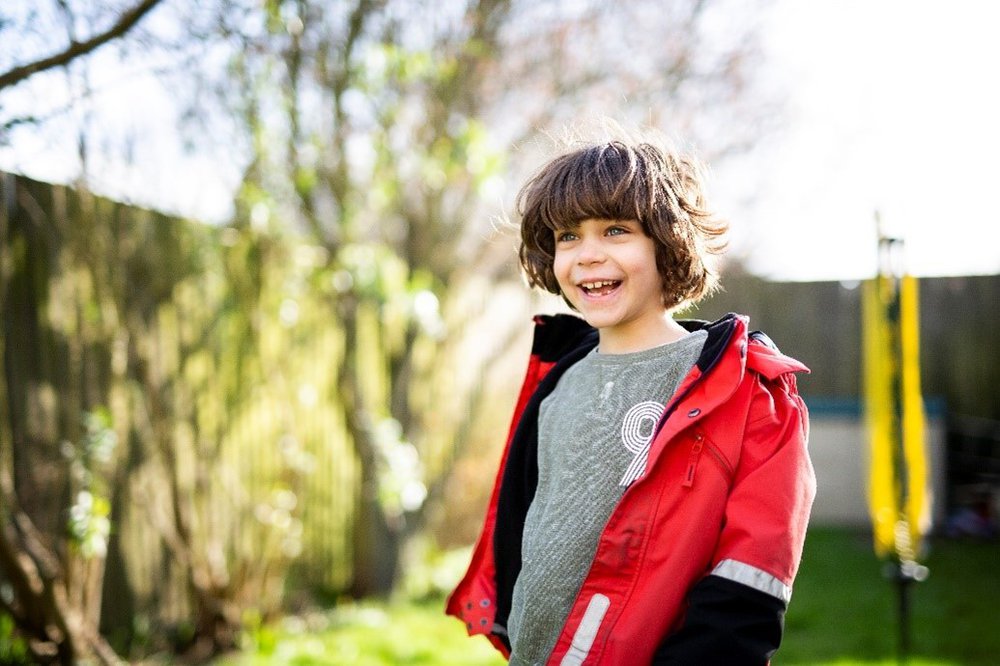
{"points": [[599, 287]]}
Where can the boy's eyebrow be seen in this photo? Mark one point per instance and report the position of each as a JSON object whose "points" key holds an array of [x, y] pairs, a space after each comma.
{"points": [[573, 225], [566, 226], [606, 220]]}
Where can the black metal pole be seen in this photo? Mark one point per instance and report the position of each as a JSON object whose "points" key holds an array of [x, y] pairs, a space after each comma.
{"points": [[906, 573], [903, 585]]}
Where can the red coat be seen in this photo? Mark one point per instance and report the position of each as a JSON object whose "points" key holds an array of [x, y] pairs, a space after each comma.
{"points": [[696, 562]]}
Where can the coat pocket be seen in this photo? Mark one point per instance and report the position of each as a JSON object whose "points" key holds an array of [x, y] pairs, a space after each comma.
{"points": [[701, 447]]}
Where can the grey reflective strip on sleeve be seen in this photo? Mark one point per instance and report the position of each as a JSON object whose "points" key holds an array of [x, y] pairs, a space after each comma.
{"points": [[585, 634], [753, 577]]}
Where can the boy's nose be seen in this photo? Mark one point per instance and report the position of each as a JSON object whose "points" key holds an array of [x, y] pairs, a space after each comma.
{"points": [[591, 252]]}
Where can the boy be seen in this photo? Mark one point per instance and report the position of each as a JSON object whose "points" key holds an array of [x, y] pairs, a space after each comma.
{"points": [[652, 499]]}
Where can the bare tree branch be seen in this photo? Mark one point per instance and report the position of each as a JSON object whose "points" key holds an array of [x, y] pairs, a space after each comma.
{"points": [[125, 22]]}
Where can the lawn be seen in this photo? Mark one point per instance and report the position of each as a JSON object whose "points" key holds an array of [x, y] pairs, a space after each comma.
{"points": [[843, 612]]}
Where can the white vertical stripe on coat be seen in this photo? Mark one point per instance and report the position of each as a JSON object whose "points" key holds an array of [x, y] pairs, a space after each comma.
{"points": [[585, 634]]}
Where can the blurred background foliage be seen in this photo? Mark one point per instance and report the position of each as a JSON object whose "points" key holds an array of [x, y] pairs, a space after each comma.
{"points": [[209, 427], [214, 423]]}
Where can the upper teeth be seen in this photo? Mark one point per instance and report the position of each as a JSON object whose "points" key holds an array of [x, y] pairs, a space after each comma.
{"points": [[598, 284]]}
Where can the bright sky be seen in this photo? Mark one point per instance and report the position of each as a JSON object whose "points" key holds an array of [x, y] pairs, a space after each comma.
{"points": [[893, 106]]}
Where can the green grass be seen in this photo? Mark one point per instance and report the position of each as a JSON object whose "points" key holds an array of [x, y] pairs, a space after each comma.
{"points": [[843, 612]]}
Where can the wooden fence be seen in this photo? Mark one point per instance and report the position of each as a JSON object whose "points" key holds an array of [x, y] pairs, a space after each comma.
{"points": [[820, 323], [216, 362]]}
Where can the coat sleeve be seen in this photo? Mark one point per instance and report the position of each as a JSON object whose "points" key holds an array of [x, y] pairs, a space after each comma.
{"points": [[735, 614]]}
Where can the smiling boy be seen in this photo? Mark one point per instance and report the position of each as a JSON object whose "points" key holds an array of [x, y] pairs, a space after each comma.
{"points": [[652, 499]]}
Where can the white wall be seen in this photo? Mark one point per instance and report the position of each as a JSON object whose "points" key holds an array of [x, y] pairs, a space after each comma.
{"points": [[838, 446]]}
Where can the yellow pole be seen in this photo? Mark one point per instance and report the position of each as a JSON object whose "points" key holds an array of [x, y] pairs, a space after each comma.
{"points": [[898, 497]]}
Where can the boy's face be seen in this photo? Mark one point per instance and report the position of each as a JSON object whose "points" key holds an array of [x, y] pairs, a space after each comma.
{"points": [[607, 270]]}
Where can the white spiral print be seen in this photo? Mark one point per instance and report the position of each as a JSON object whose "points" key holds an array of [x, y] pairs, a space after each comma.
{"points": [[637, 435]]}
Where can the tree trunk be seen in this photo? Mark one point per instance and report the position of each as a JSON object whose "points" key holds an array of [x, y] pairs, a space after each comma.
{"points": [[216, 616], [56, 632], [376, 544], [376, 538]]}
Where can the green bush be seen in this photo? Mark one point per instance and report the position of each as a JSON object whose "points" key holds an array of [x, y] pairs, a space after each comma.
{"points": [[13, 649]]}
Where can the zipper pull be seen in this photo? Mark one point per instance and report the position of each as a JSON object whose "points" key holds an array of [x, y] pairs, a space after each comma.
{"points": [[699, 443]]}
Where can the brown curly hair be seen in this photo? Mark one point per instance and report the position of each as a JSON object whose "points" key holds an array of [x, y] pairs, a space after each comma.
{"points": [[642, 181]]}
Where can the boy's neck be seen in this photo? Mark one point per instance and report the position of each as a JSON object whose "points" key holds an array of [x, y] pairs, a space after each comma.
{"points": [[661, 331]]}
